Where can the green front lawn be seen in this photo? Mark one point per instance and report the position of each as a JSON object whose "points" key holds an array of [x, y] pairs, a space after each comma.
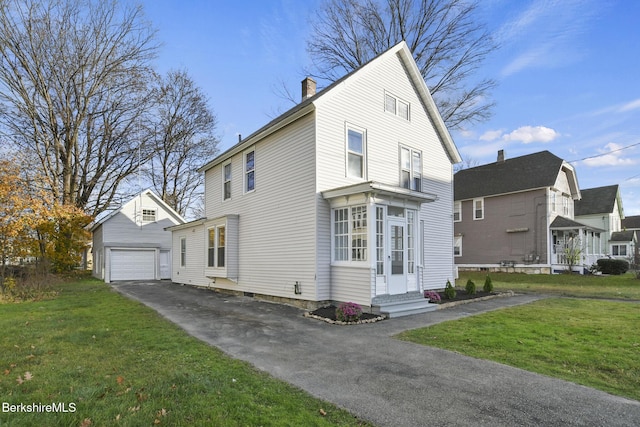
{"points": [[590, 342], [624, 286], [120, 363]]}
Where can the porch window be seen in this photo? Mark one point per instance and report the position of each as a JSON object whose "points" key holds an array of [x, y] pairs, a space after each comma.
{"points": [[350, 234], [379, 240], [478, 209], [411, 242], [355, 153], [411, 169], [249, 171], [457, 211], [227, 181]]}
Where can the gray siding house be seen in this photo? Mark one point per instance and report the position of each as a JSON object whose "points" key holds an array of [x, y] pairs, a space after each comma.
{"points": [[345, 197], [518, 215], [131, 242]]}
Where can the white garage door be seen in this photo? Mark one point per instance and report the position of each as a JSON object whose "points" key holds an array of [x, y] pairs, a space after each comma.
{"points": [[127, 264]]}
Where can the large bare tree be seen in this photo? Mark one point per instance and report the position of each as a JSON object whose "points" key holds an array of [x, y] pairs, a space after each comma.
{"points": [[446, 37], [184, 139], [73, 91]]}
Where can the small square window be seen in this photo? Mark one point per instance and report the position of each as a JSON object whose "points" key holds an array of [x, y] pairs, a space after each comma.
{"points": [[148, 215]]}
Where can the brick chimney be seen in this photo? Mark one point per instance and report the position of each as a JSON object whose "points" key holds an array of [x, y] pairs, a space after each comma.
{"points": [[500, 156], [308, 88]]}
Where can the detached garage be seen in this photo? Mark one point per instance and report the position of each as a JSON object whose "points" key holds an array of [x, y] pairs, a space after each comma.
{"points": [[131, 243]]}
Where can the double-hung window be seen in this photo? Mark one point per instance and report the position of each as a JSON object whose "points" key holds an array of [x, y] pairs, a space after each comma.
{"points": [[226, 170], [457, 211], [356, 151], [249, 171], [478, 209], [216, 245], [411, 168], [457, 246]]}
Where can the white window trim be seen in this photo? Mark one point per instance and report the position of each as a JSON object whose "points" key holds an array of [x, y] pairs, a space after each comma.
{"points": [[245, 171], [362, 131], [216, 226], [398, 100], [457, 238], [481, 200], [350, 261], [224, 180], [183, 250], [457, 207], [411, 171], [142, 214]]}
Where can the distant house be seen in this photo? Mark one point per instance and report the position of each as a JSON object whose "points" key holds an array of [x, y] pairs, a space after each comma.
{"points": [[518, 215], [601, 207], [632, 224], [345, 197], [131, 242]]}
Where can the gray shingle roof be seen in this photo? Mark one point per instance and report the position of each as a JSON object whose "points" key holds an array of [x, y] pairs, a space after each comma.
{"points": [[596, 200], [562, 222], [537, 170], [631, 222], [622, 236]]}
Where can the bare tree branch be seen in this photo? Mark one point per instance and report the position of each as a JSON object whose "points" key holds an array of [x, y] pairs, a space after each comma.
{"points": [[448, 43]]}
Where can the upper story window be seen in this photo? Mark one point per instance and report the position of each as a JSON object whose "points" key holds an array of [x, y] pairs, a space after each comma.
{"points": [[457, 246], [457, 211], [478, 209], [226, 170], [356, 153], [249, 171], [411, 169], [148, 215], [396, 106], [566, 206]]}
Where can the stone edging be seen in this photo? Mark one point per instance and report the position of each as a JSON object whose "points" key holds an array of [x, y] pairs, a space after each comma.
{"points": [[338, 322], [467, 301]]}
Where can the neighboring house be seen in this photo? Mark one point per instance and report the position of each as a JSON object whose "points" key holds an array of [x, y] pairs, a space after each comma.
{"points": [[345, 197], [601, 207], [131, 243], [518, 215], [632, 223]]}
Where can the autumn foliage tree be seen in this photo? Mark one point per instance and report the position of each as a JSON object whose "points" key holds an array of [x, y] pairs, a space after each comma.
{"points": [[34, 225]]}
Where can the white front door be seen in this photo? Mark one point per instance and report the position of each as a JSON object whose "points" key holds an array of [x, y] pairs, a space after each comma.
{"points": [[397, 259]]}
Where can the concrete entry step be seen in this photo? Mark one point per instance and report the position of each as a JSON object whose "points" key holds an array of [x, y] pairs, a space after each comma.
{"points": [[404, 308]]}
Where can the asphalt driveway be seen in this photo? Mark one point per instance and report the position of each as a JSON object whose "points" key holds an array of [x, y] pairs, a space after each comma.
{"points": [[376, 377]]}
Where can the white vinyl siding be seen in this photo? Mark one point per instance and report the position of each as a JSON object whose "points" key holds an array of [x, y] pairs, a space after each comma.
{"points": [[280, 211], [356, 152]]}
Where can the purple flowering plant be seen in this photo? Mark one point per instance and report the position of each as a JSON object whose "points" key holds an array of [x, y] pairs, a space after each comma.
{"points": [[433, 296], [348, 312]]}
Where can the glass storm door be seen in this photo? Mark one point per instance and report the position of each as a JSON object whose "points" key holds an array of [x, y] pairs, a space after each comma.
{"points": [[397, 269]]}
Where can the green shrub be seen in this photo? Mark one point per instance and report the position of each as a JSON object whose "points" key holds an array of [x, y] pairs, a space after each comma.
{"points": [[470, 287], [613, 266], [449, 291], [488, 284]]}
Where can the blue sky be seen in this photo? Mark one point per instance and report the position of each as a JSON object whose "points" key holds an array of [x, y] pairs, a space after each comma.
{"points": [[567, 74]]}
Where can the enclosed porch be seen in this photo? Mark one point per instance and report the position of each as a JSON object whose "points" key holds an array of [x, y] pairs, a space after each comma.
{"points": [[575, 246]]}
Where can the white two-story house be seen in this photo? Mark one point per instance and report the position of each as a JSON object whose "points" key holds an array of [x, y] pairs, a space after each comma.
{"points": [[348, 196]]}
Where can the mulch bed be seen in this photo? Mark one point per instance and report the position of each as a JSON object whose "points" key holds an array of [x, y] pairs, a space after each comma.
{"points": [[329, 313]]}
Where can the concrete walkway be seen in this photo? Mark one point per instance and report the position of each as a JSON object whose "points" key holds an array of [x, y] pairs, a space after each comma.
{"points": [[376, 377]]}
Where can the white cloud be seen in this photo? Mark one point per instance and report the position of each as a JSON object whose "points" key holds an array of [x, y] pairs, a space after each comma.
{"points": [[630, 106], [611, 155], [529, 134], [491, 135]]}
